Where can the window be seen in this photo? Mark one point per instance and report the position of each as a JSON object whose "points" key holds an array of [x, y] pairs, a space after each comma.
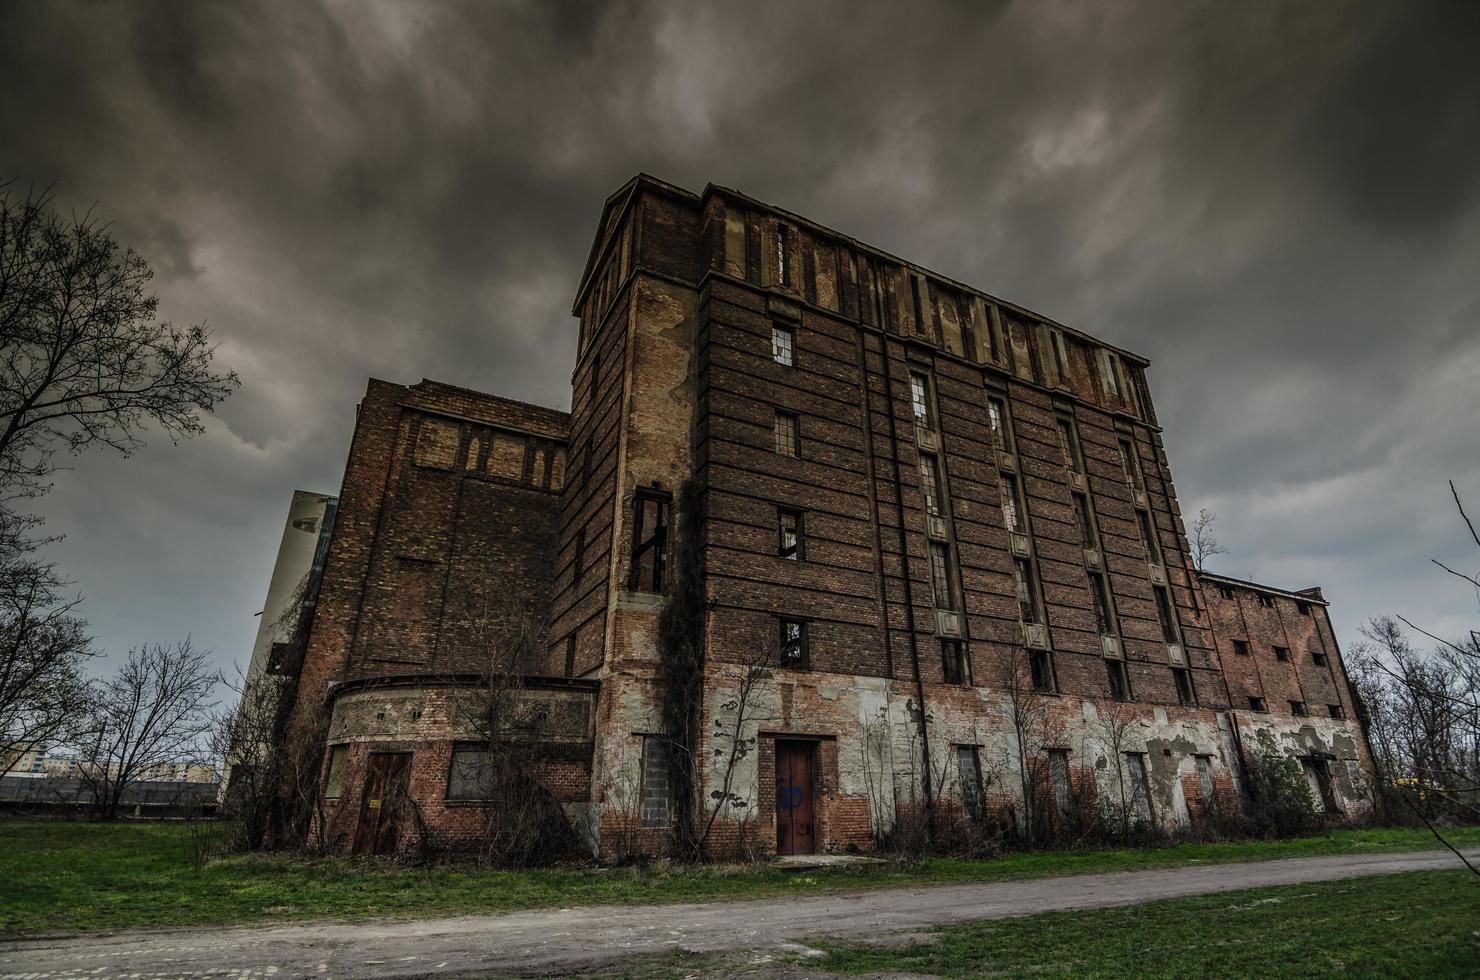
{"points": [[1140, 785], [1319, 659], [941, 574], [1282, 653], [334, 781], [793, 643], [1225, 592], [1241, 647], [1069, 444], [1336, 710], [1318, 774], [649, 542], [1060, 355], [474, 773], [1303, 608], [1205, 777], [997, 418], [786, 434], [1165, 614], [968, 767], [578, 564], [656, 803], [586, 463], [930, 482], [952, 662], [782, 270], [920, 400], [1256, 704], [1040, 665], [1186, 694], [570, 655], [1130, 464], [1120, 683], [1148, 536], [781, 345], [1058, 771], [1266, 601], [1298, 708], [1110, 368], [1086, 523], [1104, 612], [789, 533], [1026, 595], [1011, 514]]}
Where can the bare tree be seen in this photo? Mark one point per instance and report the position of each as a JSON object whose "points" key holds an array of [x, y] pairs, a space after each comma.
{"points": [[1115, 724], [733, 745], [1204, 540], [525, 822], [152, 714], [42, 649], [82, 359]]}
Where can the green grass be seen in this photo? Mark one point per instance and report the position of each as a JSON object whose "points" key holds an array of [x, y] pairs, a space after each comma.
{"points": [[82, 877], [1411, 925]]}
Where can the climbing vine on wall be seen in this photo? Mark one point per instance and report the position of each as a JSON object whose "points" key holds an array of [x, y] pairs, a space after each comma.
{"points": [[681, 630]]}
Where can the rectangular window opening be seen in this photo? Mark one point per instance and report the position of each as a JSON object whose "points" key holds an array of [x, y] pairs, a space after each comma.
{"points": [[920, 400], [1140, 784], [1256, 704], [782, 340], [1241, 647], [1086, 522], [930, 483], [1186, 694], [649, 542], [997, 418], [1205, 777], [952, 662], [1120, 684], [1166, 614], [474, 773], [1012, 516], [1058, 768], [1319, 659], [1336, 711], [968, 768], [1069, 444], [1040, 666], [786, 434], [789, 533], [334, 780], [1027, 595], [942, 576], [793, 643]]}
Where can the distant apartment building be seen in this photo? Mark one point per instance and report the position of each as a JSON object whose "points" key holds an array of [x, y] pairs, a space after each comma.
{"points": [[924, 506]]}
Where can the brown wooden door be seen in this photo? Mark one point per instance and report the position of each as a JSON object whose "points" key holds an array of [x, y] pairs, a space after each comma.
{"points": [[387, 782], [794, 823]]}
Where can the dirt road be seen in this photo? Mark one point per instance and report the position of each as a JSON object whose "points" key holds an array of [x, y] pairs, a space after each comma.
{"points": [[567, 940]]}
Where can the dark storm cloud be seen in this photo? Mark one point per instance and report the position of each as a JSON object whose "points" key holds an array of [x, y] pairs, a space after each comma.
{"points": [[1277, 203]]}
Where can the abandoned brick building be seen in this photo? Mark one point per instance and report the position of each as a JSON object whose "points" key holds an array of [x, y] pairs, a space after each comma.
{"points": [[946, 523]]}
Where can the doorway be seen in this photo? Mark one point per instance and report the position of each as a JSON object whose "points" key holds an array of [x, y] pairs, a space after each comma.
{"points": [[794, 798], [387, 785]]}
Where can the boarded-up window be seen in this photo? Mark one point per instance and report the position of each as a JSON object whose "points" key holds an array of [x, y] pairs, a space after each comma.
{"points": [[657, 788], [1058, 767], [968, 767], [557, 469], [334, 781], [436, 444], [506, 457], [1205, 777], [472, 776], [1140, 784], [537, 470]]}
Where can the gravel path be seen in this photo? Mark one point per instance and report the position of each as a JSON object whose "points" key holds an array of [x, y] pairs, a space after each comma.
{"points": [[567, 940]]}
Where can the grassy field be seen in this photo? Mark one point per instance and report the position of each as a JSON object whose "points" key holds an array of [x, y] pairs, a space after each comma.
{"points": [[79, 877], [1413, 925]]}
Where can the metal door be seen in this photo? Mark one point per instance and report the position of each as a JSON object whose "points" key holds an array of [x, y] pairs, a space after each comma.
{"points": [[794, 810]]}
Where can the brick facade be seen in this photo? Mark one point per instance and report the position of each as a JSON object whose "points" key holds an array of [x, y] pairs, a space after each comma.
{"points": [[966, 476]]}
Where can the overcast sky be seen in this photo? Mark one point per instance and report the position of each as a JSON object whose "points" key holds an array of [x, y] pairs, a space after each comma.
{"points": [[1278, 204]]}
